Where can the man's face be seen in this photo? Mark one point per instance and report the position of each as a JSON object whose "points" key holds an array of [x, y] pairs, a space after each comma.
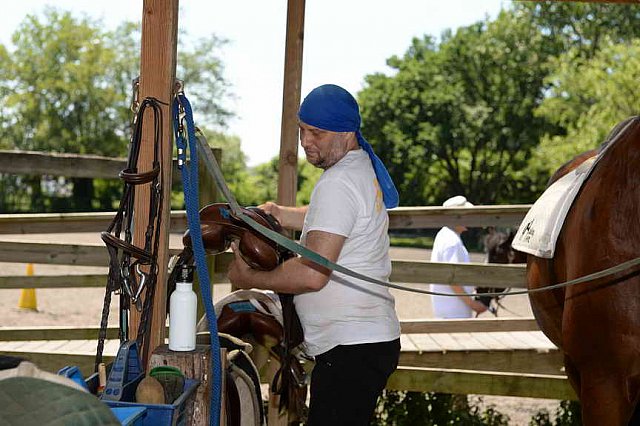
{"points": [[323, 148]]}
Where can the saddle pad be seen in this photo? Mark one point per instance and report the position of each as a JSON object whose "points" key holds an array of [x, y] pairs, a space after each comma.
{"points": [[538, 232], [541, 226]]}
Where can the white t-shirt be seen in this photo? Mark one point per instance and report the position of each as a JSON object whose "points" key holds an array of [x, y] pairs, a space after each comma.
{"points": [[448, 247], [347, 201]]}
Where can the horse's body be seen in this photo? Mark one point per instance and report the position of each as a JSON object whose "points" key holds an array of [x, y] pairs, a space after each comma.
{"points": [[597, 324]]}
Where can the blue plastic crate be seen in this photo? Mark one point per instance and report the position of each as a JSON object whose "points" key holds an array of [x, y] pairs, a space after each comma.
{"points": [[130, 416], [164, 414]]}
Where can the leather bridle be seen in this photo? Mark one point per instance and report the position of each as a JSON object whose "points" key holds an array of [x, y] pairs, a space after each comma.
{"points": [[133, 270]]}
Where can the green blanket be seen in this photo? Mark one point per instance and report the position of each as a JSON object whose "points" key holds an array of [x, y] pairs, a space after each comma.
{"points": [[26, 401]]}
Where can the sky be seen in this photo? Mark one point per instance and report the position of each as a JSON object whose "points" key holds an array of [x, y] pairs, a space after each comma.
{"points": [[344, 40]]}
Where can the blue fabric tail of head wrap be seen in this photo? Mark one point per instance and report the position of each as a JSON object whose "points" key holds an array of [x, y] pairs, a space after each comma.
{"points": [[330, 107], [389, 191]]}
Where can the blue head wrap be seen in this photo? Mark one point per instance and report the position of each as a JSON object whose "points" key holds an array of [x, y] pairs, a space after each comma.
{"points": [[330, 107]]}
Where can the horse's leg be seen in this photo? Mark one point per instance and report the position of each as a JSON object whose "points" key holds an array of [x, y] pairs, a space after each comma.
{"points": [[572, 374], [604, 399]]}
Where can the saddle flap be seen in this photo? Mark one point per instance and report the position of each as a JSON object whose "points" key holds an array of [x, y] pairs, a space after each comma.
{"points": [[220, 227]]}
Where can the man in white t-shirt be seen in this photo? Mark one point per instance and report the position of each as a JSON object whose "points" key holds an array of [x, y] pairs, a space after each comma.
{"points": [[449, 248], [350, 326]]}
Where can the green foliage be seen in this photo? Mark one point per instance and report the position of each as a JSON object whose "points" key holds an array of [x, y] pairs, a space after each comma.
{"points": [[60, 96], [234, 167], [583, 28], [466, 115], [264, 178], [429, 408], [65, 86], [416, 242], [568, 413], [589, 98], [457, 117], [489, 110]]}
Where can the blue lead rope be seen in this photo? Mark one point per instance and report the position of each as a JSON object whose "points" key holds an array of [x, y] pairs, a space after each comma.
{"points": [[183, 117]]}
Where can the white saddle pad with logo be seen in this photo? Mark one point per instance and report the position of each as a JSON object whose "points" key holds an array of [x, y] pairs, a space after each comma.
{"points": [[541, 226]]}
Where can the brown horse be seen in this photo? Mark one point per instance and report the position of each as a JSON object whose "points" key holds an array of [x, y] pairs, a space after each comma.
{"points": [[497, 246], [597, 324]]}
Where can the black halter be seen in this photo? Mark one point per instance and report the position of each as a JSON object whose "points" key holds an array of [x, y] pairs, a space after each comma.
{"points": [[132, 269]]}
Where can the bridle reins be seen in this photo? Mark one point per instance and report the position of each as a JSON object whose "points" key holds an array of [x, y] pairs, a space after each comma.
{"points": [[133, 269]]}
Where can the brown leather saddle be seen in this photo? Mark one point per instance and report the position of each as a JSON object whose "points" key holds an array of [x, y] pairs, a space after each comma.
{"points": [[220, 227]]}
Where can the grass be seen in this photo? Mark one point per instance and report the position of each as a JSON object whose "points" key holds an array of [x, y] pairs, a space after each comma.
{"points": [[415, 242]]}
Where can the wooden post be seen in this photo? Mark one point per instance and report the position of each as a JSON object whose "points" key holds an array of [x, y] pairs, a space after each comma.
{"points": [[287, 169], [288, 165], [207, 193], [157, 79], [194, 364]]}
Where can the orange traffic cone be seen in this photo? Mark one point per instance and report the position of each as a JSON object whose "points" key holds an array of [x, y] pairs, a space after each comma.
{"points": [[28, 295]]}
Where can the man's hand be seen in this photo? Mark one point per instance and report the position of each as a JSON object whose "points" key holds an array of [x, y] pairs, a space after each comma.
{"points": [[273, 209], [288, 217], [478, 307], [239, 271]]}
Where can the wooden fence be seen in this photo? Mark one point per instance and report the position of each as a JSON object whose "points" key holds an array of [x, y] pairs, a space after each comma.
{"points": [[504, 373]]}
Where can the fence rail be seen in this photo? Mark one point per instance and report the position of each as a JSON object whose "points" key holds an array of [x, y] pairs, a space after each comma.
{"points": [[516, 373]]}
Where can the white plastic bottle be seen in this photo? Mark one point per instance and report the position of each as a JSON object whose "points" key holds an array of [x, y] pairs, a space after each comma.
{"points": [[182, 312]]}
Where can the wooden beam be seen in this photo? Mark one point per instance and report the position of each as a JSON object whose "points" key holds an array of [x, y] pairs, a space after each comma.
{"points": [[400, 218], [207, 193], [14, 334], [437, 217], [65, 164], [19, 334], [157, 79], [55, 253], [481, 383], [471, 325], [404, 271], [48, 223], [505, 361], [60, 164], [288, 166], [405, 378], [52, 281], [480, 274]]}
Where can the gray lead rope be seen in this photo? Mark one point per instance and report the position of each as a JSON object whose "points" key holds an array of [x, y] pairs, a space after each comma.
{"points": [[214, 170]]}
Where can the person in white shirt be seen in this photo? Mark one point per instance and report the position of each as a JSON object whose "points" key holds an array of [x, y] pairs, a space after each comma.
{"points": [[449, 248], [349, 325]]}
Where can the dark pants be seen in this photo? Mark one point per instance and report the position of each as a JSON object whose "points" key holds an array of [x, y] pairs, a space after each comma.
{"points": [[347, 380]]}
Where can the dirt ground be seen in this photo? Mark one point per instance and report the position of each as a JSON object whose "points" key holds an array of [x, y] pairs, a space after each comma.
{"points": [[83, 306]]}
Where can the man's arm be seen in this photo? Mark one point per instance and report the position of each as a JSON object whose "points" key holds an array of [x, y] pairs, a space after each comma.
{"points": [[289, 217], [295, 276], [468, 300]]}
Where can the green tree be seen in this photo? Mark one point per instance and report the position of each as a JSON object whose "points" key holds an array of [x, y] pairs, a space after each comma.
{"points": [[583, 28], [66, 87], [588, 90], [458, 116], [588, 99], [234, 168], [266, 181]]}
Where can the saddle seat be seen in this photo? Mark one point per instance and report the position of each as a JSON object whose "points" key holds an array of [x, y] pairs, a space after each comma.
{"points": [[219, 227]]}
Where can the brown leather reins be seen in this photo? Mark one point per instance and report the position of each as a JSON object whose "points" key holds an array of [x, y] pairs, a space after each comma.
{"points": [[132, 269]]}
